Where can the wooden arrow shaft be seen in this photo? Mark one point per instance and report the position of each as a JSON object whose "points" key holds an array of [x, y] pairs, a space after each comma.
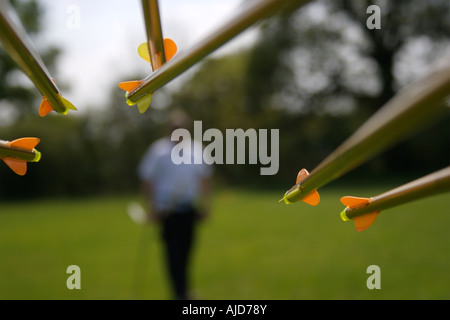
{"points": [[154, 33], [7, 151], [432, 184], [17, 45]]}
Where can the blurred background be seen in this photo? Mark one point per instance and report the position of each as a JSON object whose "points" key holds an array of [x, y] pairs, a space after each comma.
{"points": [[316, 74]]}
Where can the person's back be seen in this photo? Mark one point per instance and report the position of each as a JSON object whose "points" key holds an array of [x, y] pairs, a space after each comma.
{"points": [[172, 184]]}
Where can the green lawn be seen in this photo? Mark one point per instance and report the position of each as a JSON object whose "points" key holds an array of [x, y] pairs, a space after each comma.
{"points": [[252, 247]]}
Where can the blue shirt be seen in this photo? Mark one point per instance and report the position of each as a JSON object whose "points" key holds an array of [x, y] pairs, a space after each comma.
{"points": [[172, 185]]}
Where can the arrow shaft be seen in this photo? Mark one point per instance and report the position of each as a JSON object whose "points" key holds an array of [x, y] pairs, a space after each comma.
{"points": [[182, 62], [432, 184], [409, 110], [18, 46], [154, 33], [10, 152]]}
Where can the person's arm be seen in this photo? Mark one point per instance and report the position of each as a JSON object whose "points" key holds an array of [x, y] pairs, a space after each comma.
{"points": [[147, 194]]}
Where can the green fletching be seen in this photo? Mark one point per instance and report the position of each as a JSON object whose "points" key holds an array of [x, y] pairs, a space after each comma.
{"points": [[144, 103], [67, 104]]}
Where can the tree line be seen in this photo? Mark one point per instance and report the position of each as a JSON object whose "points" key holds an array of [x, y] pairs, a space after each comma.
{"points": [[315, 75]]}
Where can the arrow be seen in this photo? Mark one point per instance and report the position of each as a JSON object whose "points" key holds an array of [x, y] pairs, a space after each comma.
{"points": [[364, 211], [145, 101], [410, 109], [17, 153], [156, 51], [170, 48], [18, 46], [312, 198], [179, 64]]}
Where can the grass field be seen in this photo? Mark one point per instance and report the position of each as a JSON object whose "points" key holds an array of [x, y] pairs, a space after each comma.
{"points": [[252, 247]]}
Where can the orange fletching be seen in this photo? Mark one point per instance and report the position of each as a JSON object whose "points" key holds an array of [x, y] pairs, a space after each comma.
{"points": [[312, 198], [364, 221], [302, 174], [129, 85], [25, 143], [16, 165], [45, 107], [353, 202], [170, 48]]}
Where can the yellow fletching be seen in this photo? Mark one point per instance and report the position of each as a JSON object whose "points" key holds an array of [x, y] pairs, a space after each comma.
{"points": [[144, 103], [143, 52], [170, 48], [67, 104]]}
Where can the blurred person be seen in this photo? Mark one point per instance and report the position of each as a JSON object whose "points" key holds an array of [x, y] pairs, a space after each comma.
{"points": [[178, 197]]}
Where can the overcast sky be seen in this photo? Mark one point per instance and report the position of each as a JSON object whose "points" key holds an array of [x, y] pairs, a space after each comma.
{"points": [[100, 39]]}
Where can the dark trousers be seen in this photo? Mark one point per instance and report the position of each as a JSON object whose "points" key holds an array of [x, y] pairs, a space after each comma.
{"points": [[178, 236]]}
